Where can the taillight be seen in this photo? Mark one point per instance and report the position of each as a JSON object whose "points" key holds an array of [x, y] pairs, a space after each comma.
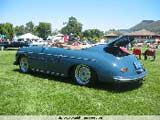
{"points": [[124, 69]]}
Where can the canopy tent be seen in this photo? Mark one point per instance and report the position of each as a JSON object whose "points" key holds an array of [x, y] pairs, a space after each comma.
{"points": [[2, 36], [59, 35], [28, 36], [15, 38], [56, 37], [49, 37]]}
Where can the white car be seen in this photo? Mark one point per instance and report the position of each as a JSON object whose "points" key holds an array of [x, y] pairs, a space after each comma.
{"points": [[39, 43]]}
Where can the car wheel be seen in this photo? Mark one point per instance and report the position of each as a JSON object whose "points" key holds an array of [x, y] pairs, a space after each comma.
{"points": [[23, 64], [83, 75]]}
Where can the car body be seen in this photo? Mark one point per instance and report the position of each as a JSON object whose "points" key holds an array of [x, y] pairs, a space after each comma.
{"points": [[106, 62]]}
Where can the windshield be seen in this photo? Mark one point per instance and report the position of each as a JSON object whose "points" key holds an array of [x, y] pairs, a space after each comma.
{"points": [[121, 41]]}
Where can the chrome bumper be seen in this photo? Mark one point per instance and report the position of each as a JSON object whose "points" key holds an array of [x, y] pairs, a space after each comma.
{"points": [[130, 78]]}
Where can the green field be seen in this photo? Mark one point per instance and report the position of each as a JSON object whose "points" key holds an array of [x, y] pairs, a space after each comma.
{"points": [[34, 94]]}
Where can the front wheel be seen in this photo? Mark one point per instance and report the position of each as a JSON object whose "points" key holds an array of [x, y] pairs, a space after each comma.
{"points": [[23, 64], [83, 75]]}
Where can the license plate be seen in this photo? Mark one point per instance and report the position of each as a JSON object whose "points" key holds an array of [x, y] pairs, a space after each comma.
{"points": [[137, 65]]}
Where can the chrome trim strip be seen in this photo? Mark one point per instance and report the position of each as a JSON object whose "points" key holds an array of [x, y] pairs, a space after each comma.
{"points": [[41, 53], [33, 69], [55, 55], [79, 58], [30, 52], [94, 60], [72, 57], [21, 51], [42, 71], [85, 59], [52, 73], [49, 54], [62, 74], [47, 71], [64, 56], [57, 73]]}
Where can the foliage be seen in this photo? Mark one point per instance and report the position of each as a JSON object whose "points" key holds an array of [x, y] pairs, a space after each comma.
{"points": [[93, 34], [39, 94], [72, 26], [19, 30], [7, 29], [44, 29], [55, 32], [150, 25], [29, 28], [117, 32]]}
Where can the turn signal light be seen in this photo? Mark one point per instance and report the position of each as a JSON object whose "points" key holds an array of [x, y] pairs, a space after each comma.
{"points": [[124, 69]]}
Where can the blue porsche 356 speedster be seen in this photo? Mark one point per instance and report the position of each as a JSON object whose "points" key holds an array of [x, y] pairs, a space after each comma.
{"points": [[106, 63]]}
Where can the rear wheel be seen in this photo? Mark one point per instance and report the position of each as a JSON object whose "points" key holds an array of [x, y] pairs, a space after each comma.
{"points": [[23, 64], [83, 75]]}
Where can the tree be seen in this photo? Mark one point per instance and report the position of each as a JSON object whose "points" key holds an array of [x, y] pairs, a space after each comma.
{"points": [[43, 30], [55, 32], [35, 32], [19, 30], [29, 28], [93, 34], [72, 26], [117, 32], [7, 29]]}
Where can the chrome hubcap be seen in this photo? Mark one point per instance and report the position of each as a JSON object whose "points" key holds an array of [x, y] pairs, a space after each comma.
{"points": [[24, 64], [82, 74]]}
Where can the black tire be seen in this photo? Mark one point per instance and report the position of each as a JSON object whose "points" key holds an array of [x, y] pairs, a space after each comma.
{"points": [[23, 64], [84, 75]]}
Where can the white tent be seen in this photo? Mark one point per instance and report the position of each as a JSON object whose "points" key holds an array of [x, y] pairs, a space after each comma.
{"points": [[15, 38], [49, 37], [57, 37], [29, 36]]}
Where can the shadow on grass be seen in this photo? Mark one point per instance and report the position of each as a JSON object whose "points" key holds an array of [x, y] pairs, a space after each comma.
{"points": [[112, 87]]}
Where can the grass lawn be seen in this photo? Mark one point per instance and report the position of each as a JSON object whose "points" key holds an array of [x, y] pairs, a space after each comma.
{"points": [[34, 94]]}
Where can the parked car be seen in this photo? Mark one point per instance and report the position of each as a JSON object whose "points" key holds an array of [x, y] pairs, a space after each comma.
{"points": [[106, 63], [38, 43], [18, 44], [4, 44], [14, 44]]}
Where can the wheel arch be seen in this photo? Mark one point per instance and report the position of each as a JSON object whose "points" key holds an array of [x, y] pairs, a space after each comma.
{"points": [[21, 55], [72, 68]]}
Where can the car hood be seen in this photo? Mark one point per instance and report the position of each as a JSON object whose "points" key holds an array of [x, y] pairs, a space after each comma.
{"points": [[121, 41]]}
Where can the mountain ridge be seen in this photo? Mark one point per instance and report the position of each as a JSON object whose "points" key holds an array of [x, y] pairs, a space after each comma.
{"points": [[151, 25]]}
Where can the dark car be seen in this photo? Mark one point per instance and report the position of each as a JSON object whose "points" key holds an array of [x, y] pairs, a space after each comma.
{"points": [[107, 62], [14, 44], [18, 44], [4, 44]]}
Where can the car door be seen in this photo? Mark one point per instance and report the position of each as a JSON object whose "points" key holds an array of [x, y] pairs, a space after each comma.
{"points": [[36, 58], [55, 62], [52, 59]]}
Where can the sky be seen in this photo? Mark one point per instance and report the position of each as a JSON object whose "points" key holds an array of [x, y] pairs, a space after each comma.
{"points": [[100, 14]]}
